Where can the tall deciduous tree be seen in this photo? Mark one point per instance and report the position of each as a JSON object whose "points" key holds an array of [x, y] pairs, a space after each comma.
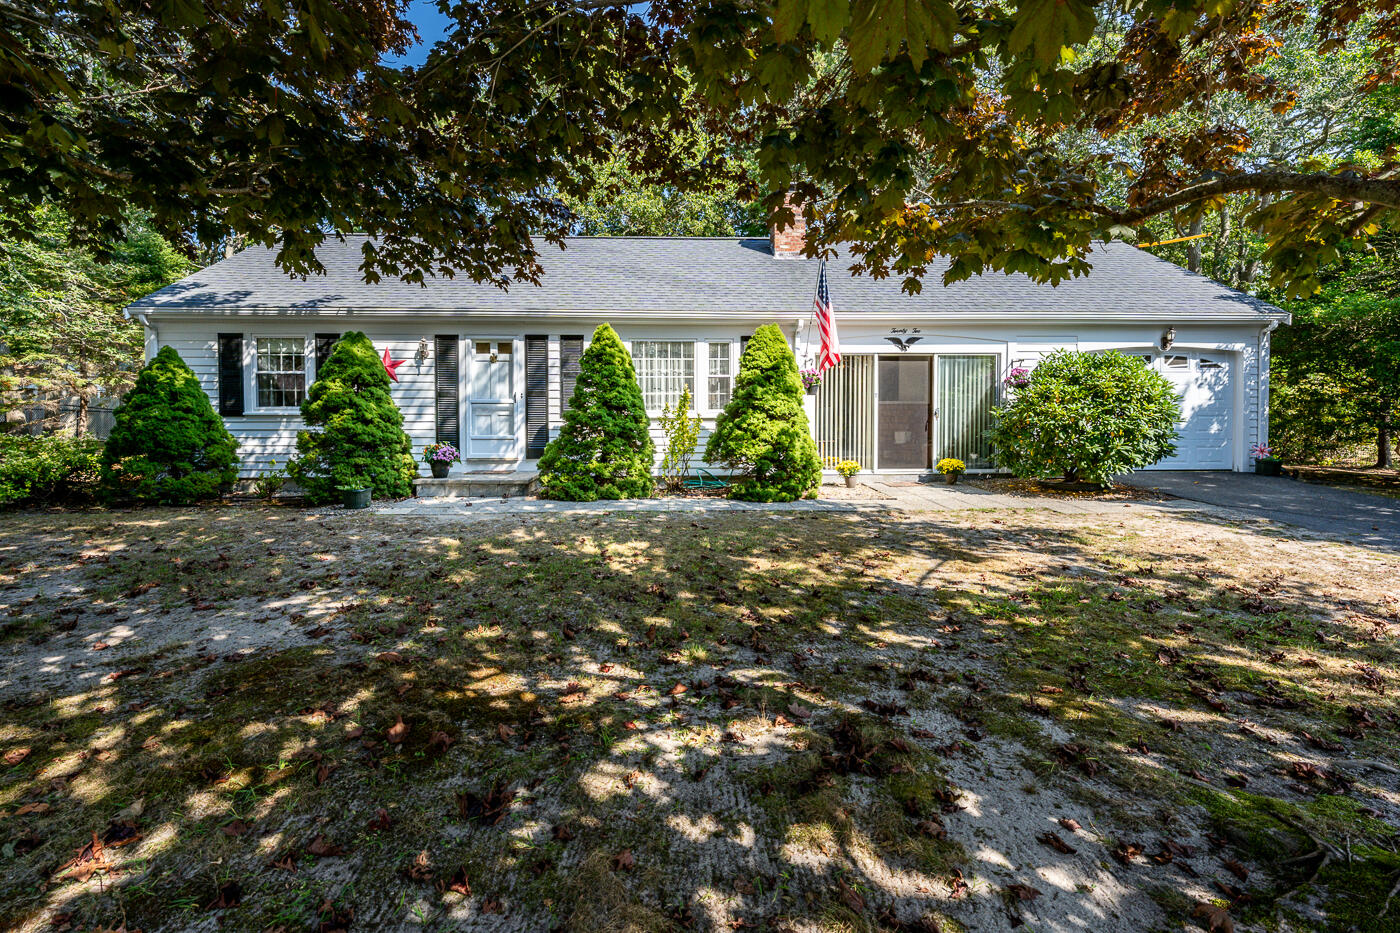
{"points": [[906, 127], [62, 334], [1336, 373]]}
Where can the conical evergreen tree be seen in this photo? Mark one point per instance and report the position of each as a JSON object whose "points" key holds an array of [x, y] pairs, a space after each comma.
{"points": [[167, 444], [358, 438], [604, 450], [762, 434]]}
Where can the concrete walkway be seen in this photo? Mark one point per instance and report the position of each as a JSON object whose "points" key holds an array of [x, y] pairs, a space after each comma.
{"points": [[1336, 514]]}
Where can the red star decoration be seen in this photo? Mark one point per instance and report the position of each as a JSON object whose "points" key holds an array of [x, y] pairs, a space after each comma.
{"points": [[391, 365]]}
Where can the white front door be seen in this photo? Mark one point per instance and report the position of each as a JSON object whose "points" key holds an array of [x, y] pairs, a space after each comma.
{"points": [[491, 430], [1206, 432]]}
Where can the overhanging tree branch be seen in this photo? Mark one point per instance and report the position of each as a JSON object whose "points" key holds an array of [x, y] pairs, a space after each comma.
{"points": [[1381, 190]]}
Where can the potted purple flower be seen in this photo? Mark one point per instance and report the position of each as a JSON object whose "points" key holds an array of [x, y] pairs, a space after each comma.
{"points": [[811, 379], [1265, 463], [440, 458], [1018, 378]]}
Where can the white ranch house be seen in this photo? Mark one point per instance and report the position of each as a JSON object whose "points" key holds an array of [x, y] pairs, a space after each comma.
{"points": [[490, 370]]}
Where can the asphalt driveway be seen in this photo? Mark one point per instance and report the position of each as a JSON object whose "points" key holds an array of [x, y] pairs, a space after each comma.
{"points": [[1355, 517]]}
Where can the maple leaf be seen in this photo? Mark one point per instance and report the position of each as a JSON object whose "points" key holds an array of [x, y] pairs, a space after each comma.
{"points": [[624, 861]]}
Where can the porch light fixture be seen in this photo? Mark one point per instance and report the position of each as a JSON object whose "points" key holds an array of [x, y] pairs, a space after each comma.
{"points": [[422, 355], [1168, 338]]}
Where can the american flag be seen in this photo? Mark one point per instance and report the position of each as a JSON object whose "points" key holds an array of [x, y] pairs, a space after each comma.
{"points": [[830, 353]]}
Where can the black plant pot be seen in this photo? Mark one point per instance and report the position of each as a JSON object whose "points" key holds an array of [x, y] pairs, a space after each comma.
{"points": [[356, 498], [1268, 467], [439, 469]]}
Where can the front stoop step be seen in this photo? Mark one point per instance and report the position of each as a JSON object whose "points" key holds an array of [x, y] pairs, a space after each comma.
{"points": [[477, 486]]}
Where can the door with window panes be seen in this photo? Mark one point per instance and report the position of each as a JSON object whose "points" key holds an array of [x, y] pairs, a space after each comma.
{"points": [[491, 428]]}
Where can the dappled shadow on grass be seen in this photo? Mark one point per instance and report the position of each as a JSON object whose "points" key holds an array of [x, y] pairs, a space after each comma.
{"points": [[604, 722]]}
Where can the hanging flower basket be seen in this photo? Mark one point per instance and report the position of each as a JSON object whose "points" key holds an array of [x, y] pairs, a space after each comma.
{"points": [[811, 380]]}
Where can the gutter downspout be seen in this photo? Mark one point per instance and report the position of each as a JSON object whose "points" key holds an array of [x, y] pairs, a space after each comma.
{"points": [[152, 335], [1265, 365]]}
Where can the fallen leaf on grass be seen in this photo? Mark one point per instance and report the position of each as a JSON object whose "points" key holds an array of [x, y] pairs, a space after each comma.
{"points": [[1022, 892], [1235, 868], [381, 821], [934, 829], [33, 808], [677, 689], [397, 732], [853, 900], [236, 828], [458, 883], [624, 861], [323, 849], [15, 755], [287, 862], [1125, 852], [1069, 824], [957, 887], [1216, 919], [488, 810], [504, 732], [229, 894], [422, 867], [1053, 840], [332, 919], [563, 833]]}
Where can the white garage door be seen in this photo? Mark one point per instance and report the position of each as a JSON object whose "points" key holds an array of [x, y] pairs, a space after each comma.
{"points": [[1206, 384]]}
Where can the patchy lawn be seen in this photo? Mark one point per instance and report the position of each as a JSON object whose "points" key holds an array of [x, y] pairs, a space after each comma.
{"points": [[264, 718]]}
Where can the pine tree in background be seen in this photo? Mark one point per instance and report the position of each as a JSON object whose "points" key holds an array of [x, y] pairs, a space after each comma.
{"points": [[356, 435], [168, 445], [763, 433], [604, 450]]}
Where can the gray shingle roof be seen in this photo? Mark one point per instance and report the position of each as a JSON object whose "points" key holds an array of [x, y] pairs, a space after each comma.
{"points": [[700, 275]]}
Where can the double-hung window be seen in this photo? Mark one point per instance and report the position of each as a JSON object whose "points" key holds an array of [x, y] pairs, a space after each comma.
{"points": [[281, 371], [664, 368], [721, 374]]}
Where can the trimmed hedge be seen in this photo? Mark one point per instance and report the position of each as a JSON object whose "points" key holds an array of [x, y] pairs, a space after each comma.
{"points": [[1087, 417], [168, 445], [47, 469], [763, 434], [604, 450], [357, 437]]}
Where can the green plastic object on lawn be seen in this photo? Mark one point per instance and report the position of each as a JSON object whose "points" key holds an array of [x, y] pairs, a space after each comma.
{"points": [[704, 479]]}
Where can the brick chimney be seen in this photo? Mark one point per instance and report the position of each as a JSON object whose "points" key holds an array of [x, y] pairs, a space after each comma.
{"points": [[788, 242]]}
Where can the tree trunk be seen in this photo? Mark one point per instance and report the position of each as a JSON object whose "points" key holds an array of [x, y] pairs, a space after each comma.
{"points": [[1193, 247], [1251, 268], [1219, 268], [80, 421], [1383, 443]]}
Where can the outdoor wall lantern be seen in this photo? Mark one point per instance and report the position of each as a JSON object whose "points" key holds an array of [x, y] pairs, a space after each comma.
{"points": [[1168, 338], [422, 355]]}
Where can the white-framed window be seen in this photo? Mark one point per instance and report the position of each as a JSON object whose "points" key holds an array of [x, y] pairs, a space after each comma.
{"points": [[721, 374], [279, 377], [664, 368]]}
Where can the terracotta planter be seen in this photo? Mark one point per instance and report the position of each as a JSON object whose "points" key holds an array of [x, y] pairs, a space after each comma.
{"points": [[851, 480], [952, 478], [439, 468]]}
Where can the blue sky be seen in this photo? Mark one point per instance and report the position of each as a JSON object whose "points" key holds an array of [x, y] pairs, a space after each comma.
{"points": [[432, 26]]}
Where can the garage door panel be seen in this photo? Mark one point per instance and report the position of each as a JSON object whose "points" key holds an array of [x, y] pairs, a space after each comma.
{"points": [[1204, 382]]}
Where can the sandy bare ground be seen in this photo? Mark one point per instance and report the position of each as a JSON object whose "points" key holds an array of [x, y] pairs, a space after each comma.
{"points": [[270, 718]]}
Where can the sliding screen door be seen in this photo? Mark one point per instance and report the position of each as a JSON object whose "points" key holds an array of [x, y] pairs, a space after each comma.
{"points": [[967, 390], [846, 413], [906, 412]]}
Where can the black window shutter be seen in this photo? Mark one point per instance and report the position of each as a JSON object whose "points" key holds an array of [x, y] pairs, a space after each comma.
{"points": [[570, 352], [230, 374], [324, 342], [449, 427], [536, 396]]}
